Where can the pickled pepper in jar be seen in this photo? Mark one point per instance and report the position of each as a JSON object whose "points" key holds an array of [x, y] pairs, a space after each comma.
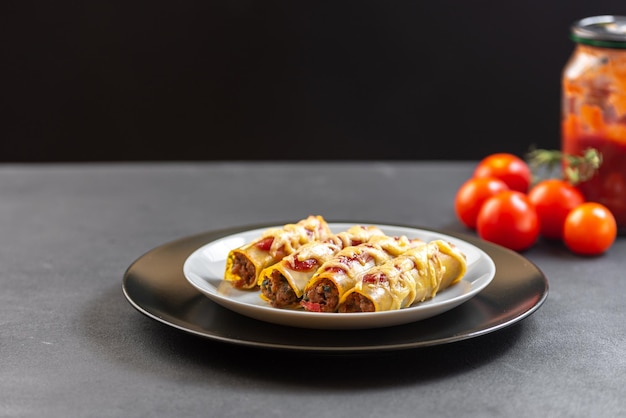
{"points": [[594, 107]]}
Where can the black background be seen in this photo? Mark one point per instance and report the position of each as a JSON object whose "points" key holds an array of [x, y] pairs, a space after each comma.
{"points": [[308, 80]]}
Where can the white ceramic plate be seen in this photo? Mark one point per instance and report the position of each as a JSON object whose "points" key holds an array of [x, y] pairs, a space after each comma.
{"points": [[204, 269]]}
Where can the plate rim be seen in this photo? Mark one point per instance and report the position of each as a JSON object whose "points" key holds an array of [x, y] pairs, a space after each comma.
{"points": [[189, 243]]}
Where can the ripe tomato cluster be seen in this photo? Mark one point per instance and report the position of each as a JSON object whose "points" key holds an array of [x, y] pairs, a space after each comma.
{"points": [[500, 202]]}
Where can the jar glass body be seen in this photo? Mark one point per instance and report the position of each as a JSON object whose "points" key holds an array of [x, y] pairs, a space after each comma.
{"points": [[594, 116]]}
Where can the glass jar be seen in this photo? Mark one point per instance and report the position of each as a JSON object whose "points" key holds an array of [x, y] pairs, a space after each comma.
{"points": [[594, 108]]}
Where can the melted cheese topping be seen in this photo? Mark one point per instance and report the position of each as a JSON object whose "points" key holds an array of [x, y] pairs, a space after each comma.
{"points": [[292, 236], [344, 268], [414, 276], [356, 234], [315, 250], [395, 245], [320, 251]]}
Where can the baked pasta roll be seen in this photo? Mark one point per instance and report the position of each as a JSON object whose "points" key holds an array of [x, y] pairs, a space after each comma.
{"points": [[244, 264], [338, 275], [282, 284], [412, 277]]}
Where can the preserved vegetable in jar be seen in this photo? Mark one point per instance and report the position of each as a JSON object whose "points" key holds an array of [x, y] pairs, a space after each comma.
{"points": [[594, 107]]}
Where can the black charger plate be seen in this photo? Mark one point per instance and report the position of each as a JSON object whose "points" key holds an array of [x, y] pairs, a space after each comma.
{"points": [[154, 284]]}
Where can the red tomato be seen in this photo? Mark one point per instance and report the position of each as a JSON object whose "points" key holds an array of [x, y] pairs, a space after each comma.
{"points": [[590, 229], [507, 167], [510, 220], [472, 194], [554, 199]]}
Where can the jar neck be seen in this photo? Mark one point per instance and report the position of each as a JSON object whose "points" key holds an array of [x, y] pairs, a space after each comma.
{"points": [[596, 50]]}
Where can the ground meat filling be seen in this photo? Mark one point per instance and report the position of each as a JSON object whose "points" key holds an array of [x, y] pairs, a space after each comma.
{"points": [[277, 290], [244, 269], [325, 295], [356, 303]]}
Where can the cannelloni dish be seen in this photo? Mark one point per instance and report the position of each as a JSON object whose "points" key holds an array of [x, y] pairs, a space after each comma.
{"points": [[244, 264], [306, 266]]}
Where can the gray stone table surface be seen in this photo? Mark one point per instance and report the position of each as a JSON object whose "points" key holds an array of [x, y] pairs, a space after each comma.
{"points": [[72, 346]]}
